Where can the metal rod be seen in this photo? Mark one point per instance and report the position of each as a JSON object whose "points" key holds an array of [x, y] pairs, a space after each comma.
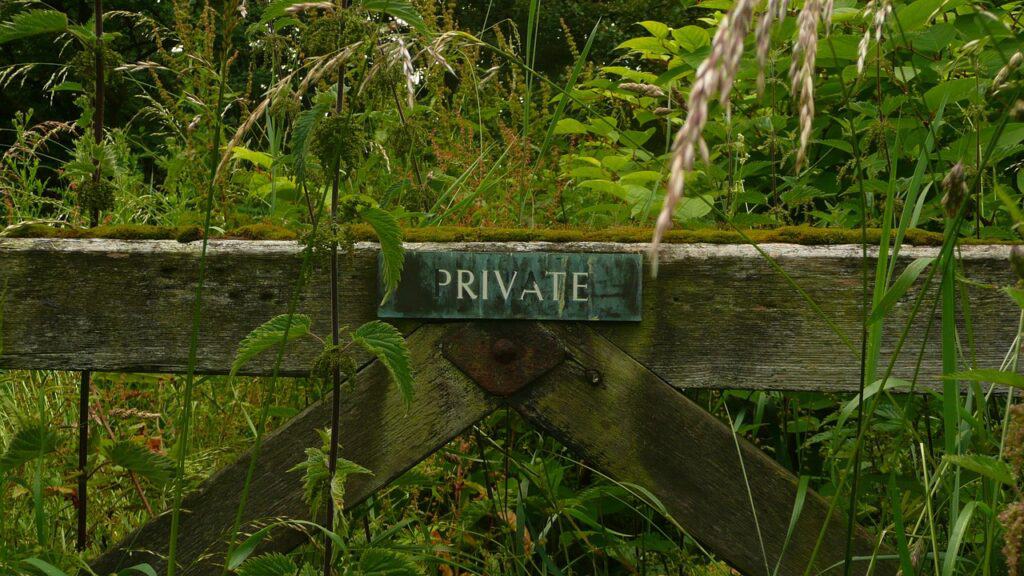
{"points": [[83, 449]]}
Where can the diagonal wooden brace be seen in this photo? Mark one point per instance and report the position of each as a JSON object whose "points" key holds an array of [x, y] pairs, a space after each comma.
{"points": [[377, 432], [633, 426], [587, 392]]}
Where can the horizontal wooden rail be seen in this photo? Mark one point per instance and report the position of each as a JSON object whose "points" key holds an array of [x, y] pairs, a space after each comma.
{"points": [[717, 316]]}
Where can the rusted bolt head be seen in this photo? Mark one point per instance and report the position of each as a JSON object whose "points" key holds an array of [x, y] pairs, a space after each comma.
{"points": [[594, 378], [504, 350]]}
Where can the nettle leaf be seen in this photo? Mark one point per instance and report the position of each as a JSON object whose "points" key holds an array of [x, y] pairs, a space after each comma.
{"points": [[386, 343], [389, 233], [383, 562], [342, 471], [33, 23], [28, 443], [271, 333], [315, 474], [274, 564], [987, 466], [135, 458]]}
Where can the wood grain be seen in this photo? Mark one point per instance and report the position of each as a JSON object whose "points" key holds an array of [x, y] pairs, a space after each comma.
{"points": [[630, 424], [377, 431], [717, 316]]}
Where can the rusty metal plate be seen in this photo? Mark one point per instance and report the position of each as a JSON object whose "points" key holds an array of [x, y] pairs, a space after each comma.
{"points": [[503, 357]]}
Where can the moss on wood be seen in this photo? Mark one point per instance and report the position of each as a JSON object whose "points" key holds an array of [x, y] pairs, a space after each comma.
{"points": [[805, 235]]}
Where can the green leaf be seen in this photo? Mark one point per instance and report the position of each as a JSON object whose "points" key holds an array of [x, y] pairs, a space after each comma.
{"points": [[383, 562], [988, 375], [135, 458], [261, 159], [691, 38], [274, 564], [144, 569], [302, 131], [570, 126], [33, 23], [386, 343], [342, 471], [656, 29], [28, 443], [271, 333], [400, 9], [899, 288], [1015, 293], [389, 233], [646, 45], [987, 466], [44, 567]]}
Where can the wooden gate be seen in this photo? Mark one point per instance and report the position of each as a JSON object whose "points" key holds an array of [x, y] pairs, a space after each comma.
{"points": [[717, 317]]}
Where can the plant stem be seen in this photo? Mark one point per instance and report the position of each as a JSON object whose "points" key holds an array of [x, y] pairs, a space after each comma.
{"points": [[332, 456]]}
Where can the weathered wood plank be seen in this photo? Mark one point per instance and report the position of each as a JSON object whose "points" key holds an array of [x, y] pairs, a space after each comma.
{"points": [[377, 431], [630, 424], [717, 316]]}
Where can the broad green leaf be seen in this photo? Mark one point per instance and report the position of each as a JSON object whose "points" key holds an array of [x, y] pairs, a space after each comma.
{"points": [[389, 233], [690, 208], [261, 159], [386, 343], [899, 288], [154, 467], [916, 14], [273, 564], [988, 375], [988, 466], [646, 45], [271, 333], [691, 38], [28, 443], [43, 567], [953, 91], [399, 9], [385, 562], [33, 23], [656, 29], [570, 126]]}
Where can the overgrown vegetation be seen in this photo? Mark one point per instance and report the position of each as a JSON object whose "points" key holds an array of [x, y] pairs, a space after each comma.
{"points": [[880, 123]]}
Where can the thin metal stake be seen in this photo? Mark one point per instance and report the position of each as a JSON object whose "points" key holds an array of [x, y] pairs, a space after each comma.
{"points": [[83, 449]]}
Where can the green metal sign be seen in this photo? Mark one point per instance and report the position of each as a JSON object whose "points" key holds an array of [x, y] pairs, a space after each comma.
{"points": [[518, 286]]}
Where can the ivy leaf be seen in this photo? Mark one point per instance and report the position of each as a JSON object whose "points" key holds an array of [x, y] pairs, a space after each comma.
{"points": [[28, 443], [386, 343], [271, 333], [392, 254], [154, 467], [33, 23], [383, 562], [274, 564], [987, 466]]}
